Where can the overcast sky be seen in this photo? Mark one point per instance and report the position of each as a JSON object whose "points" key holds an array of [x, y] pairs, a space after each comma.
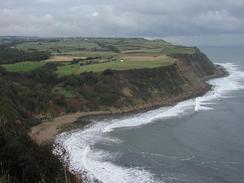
{"points": [[203, 21]]}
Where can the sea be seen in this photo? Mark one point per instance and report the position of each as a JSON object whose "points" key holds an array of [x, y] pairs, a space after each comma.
{"points": [[200, 140]]}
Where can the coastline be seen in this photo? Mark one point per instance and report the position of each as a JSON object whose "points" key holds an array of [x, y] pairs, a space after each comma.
{"points": [[46, 132]]}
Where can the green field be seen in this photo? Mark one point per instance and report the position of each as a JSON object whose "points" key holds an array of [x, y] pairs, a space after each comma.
{"points": [[179, 50], [102, 54], [116, 65], [63, 45], [137, 53], [76, 45], [23, 66]]}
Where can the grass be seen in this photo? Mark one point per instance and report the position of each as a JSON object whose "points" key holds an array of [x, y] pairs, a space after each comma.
{"points": [[60, 58], [63, 91], [76, 45], [86, 47], [116, 65], [144, 50], [145, 57], [179, 50], [23, 66], [62, 45], [103, 54], [139, 43], [137, 53]]}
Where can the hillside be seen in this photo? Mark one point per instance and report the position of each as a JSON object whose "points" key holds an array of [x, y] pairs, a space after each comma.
{"points": [[113, 75]]}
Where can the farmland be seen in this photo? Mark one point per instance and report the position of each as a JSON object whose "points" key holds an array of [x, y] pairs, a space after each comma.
{"points": [[117, 65], [78, 55], [23, 66]]}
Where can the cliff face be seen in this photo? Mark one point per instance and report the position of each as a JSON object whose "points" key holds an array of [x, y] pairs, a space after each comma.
{"points": [[145, 88], [199, 63], [167, 85], [111, 90]]}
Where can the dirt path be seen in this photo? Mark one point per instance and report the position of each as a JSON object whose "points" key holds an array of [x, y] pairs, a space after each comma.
{"points": [[46, 132]]}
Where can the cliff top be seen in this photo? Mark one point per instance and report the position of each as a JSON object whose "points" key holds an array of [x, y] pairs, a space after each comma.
{"points": [[77, 55]]}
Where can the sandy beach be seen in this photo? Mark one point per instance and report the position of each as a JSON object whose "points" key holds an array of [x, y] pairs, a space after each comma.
{"points": [[46, 132]]}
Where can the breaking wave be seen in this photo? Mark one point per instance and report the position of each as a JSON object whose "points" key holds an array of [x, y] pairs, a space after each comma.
{"points": [[77, 147]]}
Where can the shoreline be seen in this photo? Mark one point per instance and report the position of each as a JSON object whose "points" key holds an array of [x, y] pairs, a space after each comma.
{"points": [[46, 132]]}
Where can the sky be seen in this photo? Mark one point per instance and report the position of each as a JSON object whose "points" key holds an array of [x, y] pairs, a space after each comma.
{"points": [[184, 21]]}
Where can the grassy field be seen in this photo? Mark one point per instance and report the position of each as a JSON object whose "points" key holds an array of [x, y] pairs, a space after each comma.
{"points": [[63, 45], [136, 53], [116, 65], [75, 45], [179, 50], [103, 47], [145, 57], [102, 54], [23, 66], [61, 58]]}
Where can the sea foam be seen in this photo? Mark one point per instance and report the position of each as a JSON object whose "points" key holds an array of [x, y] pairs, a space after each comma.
{"points": [[77, 147]]}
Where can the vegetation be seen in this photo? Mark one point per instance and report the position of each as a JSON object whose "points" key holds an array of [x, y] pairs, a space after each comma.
{"points": [[117, 65], [100, 74], [179, 50], [10, 55], [21, 159], [203, 67], [109, 51], [67, 45], [63, 91], [23, 66]]}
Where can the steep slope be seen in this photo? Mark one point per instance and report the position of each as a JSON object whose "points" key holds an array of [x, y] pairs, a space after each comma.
{"points": [[142, 88]]}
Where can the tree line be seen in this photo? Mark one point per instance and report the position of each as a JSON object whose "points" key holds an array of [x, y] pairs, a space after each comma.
{"points": [[9, 55]]}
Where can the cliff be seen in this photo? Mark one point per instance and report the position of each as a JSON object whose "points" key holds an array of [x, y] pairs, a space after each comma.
{"points": [[31, 94], [199, 63], [143, 88]]}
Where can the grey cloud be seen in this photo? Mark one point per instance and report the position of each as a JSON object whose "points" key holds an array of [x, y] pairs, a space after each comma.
{"points": [[151, 18]]}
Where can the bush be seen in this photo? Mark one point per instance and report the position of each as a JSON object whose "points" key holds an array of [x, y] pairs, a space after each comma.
{"points": [[108, 72], [21, 160], [10, 55]]}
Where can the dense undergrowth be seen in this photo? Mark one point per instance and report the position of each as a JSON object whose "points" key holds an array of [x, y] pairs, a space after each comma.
{"points": [[9, 55]]}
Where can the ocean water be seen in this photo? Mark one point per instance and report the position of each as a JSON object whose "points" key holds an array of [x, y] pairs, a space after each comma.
{"points": [[200, 140]]}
